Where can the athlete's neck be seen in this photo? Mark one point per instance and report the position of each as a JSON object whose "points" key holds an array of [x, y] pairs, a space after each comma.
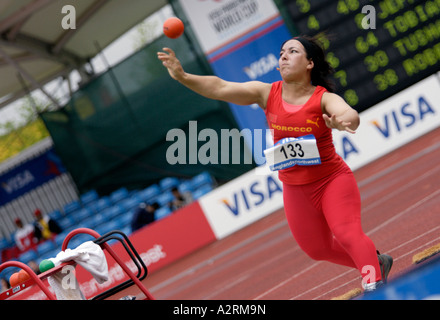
{"points": [[297, 93]]}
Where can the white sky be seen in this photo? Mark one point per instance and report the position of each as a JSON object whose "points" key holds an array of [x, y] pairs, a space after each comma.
{"points": [[114, 53]]}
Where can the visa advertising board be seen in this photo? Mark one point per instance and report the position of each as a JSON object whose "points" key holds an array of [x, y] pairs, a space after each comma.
{"points": [[29, 175], [392, 123]]}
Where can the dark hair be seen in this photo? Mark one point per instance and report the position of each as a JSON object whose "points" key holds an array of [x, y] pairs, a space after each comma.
{"points": [[322, 70], [155, 205]]}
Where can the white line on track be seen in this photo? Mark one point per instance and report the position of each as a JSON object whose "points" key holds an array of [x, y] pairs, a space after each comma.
{"points": [[409, 209], [287, 280], [399, 164]]}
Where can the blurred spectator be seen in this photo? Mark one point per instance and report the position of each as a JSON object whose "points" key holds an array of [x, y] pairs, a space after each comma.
{"points": [[24, 236], [4, 285], [180, 199], [34, 266], [45, 227], [143, 215]]}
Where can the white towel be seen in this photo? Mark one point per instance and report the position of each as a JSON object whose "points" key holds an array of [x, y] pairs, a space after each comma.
{"points": [[90, 256]]}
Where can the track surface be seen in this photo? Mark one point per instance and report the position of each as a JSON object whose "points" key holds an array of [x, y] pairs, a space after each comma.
{"points": [[401, 205]]}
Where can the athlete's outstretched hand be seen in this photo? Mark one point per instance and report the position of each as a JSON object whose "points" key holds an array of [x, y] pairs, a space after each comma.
{"points": [[213, 87], [170, 61], [334, 123]]}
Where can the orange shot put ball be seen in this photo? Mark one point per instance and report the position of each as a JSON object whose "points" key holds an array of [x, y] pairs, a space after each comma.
{"points": [[173, 27], [23, 276], [13, 280]]}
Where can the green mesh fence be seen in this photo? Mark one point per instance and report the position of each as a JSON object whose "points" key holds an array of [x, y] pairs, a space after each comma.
{"points": [[113, 131]]}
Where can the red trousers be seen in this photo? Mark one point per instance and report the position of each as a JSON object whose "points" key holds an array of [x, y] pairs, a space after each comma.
{"points": [[325, 220]]}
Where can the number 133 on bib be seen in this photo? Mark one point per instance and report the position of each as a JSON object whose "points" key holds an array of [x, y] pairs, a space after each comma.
{"points": [[288, 152]]}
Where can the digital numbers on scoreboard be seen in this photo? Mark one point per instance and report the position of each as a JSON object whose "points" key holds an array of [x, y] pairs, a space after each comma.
{"points": [[377, 48]]}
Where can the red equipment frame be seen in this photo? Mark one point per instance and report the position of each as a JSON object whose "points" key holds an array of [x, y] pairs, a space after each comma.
{"points": [[102, 242]]}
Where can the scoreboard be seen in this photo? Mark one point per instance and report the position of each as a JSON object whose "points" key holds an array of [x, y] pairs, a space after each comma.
{"points": [[377, 48]]}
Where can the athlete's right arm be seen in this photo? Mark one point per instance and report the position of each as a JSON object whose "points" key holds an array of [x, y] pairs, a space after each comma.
{"points": [[213, 87]]}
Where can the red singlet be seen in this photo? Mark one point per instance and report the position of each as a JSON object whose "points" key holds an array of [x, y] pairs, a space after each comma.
{"points": [[304, 121]]}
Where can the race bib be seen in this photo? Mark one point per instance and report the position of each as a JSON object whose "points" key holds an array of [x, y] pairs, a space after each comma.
{"points": [[288, 152]]}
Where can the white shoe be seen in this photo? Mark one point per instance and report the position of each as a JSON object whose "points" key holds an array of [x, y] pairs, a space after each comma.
{"points": [[370, 287]]}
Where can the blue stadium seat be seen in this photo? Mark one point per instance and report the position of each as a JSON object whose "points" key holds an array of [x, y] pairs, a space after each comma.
{"points": [[61, 236], [82, 214], [101, 204], [66, 223], [130, 203], [118, 195], [49, 254], [107, 227], [126, 230], [74, 242], [186, 186], [162, 213], [168, 183], [27, 256], [124, 220], [4, 243], [99, 219], [165, 198], [89, 197], [202, 179], [78, 240], [94, 221], [7, 273], [71, 207], [45, 247], [113, 211], [56, 215], [149, 193], [201, 191]]}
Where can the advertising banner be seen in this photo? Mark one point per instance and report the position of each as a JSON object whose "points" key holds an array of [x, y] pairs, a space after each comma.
{"points": [[29, 176], [392, 123], [242, 201], [216, 23]]}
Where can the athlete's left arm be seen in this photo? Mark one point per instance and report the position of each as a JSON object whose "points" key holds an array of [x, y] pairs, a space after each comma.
{"points": [[338, 114]]}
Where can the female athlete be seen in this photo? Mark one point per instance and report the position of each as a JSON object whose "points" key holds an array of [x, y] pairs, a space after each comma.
{"points": [[322, 202]]}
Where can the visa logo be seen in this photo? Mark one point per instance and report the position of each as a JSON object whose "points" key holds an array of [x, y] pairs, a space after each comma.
{"points": [[404, 117], [261, 67], [253, 195], [18, 181], [348, 147]]}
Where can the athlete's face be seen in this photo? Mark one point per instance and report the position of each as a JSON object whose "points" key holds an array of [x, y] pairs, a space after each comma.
{"points": [[293, 59]]}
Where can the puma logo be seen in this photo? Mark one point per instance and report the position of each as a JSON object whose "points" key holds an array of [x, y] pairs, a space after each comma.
{"points": [[313, 122]]}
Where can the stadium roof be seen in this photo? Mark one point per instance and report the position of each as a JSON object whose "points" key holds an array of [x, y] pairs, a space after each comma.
{"points": [[35, 48]]}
